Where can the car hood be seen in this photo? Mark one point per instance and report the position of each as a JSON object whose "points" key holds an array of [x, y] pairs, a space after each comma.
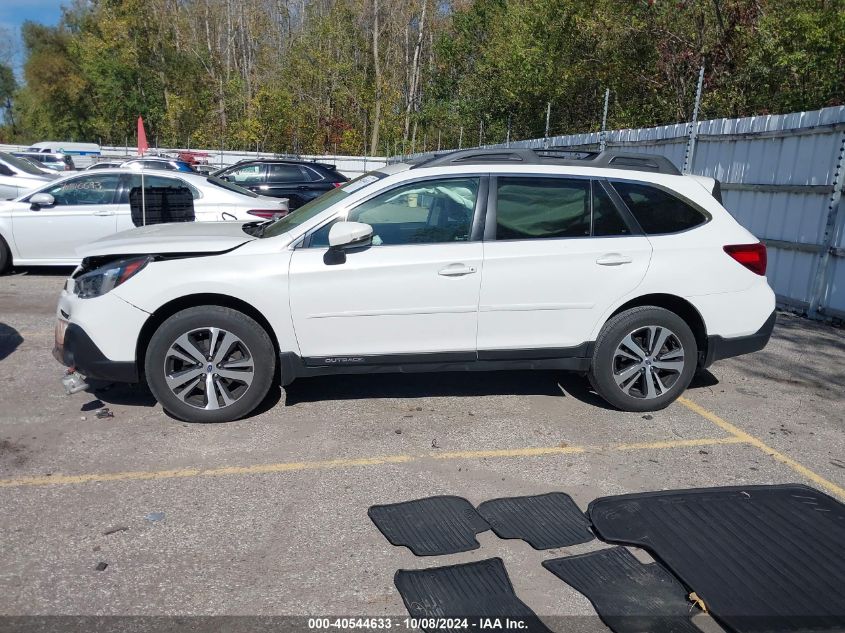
{"points": [[179, 237]]}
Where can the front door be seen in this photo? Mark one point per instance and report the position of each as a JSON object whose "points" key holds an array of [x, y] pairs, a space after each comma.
{"points": [[410, 297], [557, 255], [84, 211]]}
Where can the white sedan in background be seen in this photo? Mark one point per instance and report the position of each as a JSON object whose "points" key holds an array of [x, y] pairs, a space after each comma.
{"points": [[45, 226]]}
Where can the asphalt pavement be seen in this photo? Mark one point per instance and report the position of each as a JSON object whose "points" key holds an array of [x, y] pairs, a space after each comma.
{"points": [[268, 515]]}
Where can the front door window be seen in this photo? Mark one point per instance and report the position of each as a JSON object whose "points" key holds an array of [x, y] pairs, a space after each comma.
{"points": [[85, 190], [428, 212], [246, 175]]}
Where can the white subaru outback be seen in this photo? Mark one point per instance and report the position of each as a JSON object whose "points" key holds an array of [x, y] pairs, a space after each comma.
{"points": [[610, 264]]}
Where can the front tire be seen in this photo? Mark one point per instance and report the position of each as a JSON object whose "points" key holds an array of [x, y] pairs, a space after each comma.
{"points": [[5, 256], [210, 364], [644, 359]]}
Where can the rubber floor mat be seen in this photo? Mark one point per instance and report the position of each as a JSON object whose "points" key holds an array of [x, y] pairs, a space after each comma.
{"points": [[473, 591], [543, 521], [762, 558], [432, 526], [629, 597]]}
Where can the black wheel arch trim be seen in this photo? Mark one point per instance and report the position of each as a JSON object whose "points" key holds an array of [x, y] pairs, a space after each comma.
{"points": [[163, 312]]}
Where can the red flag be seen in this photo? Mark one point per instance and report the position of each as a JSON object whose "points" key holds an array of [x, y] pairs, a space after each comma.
{"points": [[142, 138]]}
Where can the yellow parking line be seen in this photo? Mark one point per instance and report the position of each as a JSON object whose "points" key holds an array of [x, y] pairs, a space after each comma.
{"points": [[258, 469], [510, 452], [679, 443], [759, 444]]}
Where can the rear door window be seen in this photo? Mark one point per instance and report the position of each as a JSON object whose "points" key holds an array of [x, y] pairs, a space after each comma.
{"points": [[158, 181], [536, 207], [657, 211], [285, 173]]}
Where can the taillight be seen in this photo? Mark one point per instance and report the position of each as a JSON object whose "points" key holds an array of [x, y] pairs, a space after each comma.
{"points": [[267, 214], [752, 256], [337, 184]]}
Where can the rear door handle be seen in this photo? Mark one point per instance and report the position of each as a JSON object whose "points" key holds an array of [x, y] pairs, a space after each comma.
{"points": [[613, 259], [103, 212], [457, 270]]}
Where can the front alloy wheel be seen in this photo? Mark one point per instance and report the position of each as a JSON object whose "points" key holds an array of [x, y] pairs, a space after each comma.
{"points": [[209, 368], [210, 364]]}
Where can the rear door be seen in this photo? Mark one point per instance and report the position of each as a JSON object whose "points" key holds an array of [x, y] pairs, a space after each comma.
{"points": [[558, 252], [85, 210], [287, 180]]}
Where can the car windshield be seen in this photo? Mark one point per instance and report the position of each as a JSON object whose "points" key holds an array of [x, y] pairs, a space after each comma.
{"points": [[20, 164], [217, 182], [320, 204]]}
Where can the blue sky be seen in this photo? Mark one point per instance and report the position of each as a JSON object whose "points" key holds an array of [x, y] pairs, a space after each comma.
{"points": [[13, 13]]}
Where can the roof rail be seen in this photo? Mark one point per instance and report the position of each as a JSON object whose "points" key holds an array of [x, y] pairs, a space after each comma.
{"points": [[556, 156]]}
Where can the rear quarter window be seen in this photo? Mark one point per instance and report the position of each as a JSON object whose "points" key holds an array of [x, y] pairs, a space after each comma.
{"points": [[657, 211], [312, 174]]}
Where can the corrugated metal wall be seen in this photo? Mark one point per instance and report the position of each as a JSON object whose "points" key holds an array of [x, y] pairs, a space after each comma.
{"points": [[782, 178]]}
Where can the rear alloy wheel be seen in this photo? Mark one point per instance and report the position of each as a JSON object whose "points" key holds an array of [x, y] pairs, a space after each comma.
{"points": [[644, 359], [210, 364]]}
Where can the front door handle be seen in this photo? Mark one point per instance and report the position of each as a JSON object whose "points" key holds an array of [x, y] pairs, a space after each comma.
{"points": [[613, 259], [457, 270], [103, 213]]}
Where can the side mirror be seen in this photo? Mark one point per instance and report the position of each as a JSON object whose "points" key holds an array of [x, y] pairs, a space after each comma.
{"points": [[345, 235], [39, 200]]}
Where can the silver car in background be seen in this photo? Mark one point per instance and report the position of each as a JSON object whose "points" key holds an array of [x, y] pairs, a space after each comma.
{"points": [[104, 165], [51, 160], [17, 176]]}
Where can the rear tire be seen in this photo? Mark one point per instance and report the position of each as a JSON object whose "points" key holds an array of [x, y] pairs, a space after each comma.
{"points": [[210, 364], [5, 256], [644, 359]]}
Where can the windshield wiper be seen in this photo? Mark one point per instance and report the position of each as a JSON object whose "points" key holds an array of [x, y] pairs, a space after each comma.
{"points": [[262, 228], [254, 228]]}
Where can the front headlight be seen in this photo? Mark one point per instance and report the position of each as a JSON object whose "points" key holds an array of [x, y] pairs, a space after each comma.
{"points": [[108, 277]]}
